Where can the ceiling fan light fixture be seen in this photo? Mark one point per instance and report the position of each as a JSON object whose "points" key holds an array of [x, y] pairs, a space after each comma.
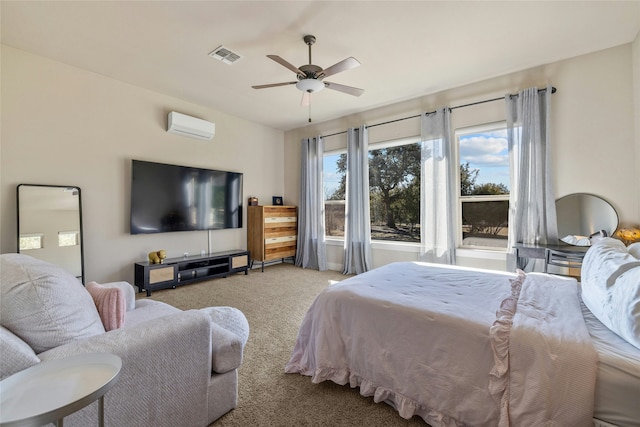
{"points": [[310, 85]]}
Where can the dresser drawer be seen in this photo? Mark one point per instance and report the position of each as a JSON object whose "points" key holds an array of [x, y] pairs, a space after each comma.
{"points": [[279, 219], [280, 239]]}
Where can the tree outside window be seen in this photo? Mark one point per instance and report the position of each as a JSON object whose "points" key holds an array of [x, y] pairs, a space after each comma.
{"points": [[394, 199]]}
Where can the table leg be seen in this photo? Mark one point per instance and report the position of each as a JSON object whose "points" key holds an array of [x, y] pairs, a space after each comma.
{"points": [[59, 423], [101, 411]]}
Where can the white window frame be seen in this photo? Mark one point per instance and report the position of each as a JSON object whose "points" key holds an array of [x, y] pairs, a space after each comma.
{"points": [[486, 127]]}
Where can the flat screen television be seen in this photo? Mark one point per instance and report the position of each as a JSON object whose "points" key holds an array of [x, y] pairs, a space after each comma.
{"points": [[167, 198]]}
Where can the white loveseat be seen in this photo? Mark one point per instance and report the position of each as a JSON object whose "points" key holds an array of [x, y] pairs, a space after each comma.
{"points": [[179, 368]]}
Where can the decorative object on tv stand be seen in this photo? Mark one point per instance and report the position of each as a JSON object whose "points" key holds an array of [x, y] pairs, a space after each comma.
{"points": [[157, 257], [184, 125], [277, 200], [253, 201]]}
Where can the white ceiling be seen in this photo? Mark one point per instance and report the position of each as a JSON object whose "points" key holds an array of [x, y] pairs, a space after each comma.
{"points": [[407, 49]]}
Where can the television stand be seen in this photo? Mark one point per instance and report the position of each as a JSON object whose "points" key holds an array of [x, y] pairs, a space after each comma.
{"points": [[181, 271]]}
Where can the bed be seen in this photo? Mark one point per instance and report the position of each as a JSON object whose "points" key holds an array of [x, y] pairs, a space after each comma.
{"points": [[460, 346]]}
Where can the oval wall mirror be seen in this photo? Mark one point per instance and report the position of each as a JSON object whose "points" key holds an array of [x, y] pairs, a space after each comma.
{"points": [[50, 225], [583, 214]]}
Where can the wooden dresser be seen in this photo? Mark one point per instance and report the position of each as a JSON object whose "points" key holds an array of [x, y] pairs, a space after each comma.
{"points": [[272, 232]]}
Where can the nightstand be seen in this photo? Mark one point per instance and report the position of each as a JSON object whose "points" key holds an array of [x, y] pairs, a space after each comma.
{"points": [[567, 256]]}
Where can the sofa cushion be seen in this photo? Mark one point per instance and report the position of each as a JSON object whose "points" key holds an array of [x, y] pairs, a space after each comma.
{"points": [[147, 309], [16, 354], [229, 334], [111, 304], [43, 304]]}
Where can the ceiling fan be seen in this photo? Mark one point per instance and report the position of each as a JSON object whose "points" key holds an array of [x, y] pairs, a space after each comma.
{"points": [[310, 77]]}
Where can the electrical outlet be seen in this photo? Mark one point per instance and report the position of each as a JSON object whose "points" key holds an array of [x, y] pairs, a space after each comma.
{"points": [[186, 254], [202, 252]]}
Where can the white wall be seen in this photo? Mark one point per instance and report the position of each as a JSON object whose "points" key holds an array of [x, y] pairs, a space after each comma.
{"points": [[66, 126], [595, 144], [636, 109]]}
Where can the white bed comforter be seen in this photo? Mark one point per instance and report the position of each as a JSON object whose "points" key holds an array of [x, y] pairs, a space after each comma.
{"points": [[455, 346]]}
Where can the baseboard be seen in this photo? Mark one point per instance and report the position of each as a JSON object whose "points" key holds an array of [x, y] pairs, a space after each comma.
{"points": [[598, 423], [334, 266]]}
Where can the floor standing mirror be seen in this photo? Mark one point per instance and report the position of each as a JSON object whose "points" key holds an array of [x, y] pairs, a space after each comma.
{"points": [[50, 225]]}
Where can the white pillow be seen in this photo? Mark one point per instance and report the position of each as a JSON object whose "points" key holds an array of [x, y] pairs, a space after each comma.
{"points": [[634, 249], [606, 260], [620, 312], [611, 288], [43, 304]]}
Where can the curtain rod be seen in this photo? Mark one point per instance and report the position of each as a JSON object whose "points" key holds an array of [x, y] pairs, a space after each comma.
{"points": [[553, 90]]}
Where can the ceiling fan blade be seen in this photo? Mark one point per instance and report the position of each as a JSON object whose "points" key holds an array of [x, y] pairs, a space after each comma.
{"points": [[343, 88], [306, 99], [273, 85], [345, 64], [286, 64]]}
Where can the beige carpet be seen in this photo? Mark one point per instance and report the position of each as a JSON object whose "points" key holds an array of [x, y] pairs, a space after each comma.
{"points": [[275, 303]]}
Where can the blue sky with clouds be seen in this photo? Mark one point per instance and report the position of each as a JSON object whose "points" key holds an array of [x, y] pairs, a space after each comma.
{"points": [[487, 152]]}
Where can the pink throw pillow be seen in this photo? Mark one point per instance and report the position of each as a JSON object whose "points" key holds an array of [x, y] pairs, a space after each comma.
{"points": [[110, 303]]}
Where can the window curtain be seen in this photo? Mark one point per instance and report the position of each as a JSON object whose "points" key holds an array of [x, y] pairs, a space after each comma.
{"points": [[311, 248], [532, 201], [357, 239], [437, 189]]}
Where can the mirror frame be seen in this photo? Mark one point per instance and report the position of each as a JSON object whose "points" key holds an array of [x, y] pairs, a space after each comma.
{"points": [[613, 210], [81, 230]]}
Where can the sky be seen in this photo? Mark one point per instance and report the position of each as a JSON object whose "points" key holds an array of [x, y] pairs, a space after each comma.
{"points": [[485, 151], [330, 175], [488, 152]]}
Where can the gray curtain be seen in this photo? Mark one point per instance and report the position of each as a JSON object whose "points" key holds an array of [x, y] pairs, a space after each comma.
{"points": [[532, 201], [357, 239], [311, 250], [437, 189]]}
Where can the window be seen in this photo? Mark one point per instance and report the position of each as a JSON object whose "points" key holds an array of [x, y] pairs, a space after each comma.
{"points": [[394, 184], [394, 191], [334, 178], [68, 238], [484, 187], [31, 241]]}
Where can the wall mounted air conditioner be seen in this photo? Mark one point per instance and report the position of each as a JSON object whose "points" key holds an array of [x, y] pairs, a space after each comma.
{"points": [[184, 125]]}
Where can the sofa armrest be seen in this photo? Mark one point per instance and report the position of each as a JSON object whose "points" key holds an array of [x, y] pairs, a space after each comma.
{"points": [[15, 354], [229, 334], [166, 368]]}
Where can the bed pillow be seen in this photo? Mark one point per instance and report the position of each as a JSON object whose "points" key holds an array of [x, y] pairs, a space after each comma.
{"points": [[111, 304], [619, 310], [611, 288], [606, 260], [43, 304], [634, 249]]}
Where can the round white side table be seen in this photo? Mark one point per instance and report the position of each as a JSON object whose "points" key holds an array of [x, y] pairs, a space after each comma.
{"points": [[51, 390]]}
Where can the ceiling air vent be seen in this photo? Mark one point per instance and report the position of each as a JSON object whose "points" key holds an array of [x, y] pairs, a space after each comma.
{"points": [[225, 55]]}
